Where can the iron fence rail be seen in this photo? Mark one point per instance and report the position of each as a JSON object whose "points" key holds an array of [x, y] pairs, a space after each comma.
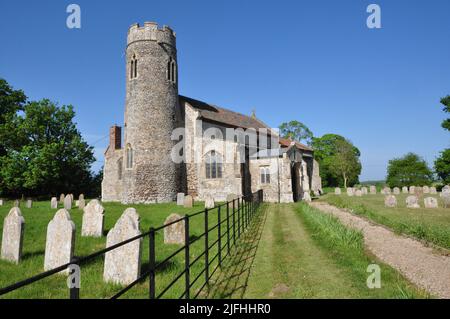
{"points": [[239, 213]]}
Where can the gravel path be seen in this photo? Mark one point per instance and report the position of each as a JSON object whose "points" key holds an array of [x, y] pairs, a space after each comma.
{"points": [[420, 264]]}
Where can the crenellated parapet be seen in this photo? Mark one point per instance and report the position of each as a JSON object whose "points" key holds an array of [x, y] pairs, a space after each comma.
{"points": [[150, 32]]}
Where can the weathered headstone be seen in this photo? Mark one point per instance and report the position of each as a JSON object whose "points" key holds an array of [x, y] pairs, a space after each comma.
{"points": [[405, 190], [358, 193], [122, 265], [81, 202], [188, 201], [61, 198], [12, 239], [175, 233], [180, 199], [430, 202], [412, 190], [412, 201], [337, 191], [373, 190], [433, 190], [390, 201], [68, 202], [60, 241], [1, 202], [209, 202], [29, 203], [17, 203], [230, 197], [77, 202], [306, 197], [426, 189], [54, 203], [396, 191], [446, 199], [350, 191], [387, 191], [364, 190], [418, 191], [93, 219]]}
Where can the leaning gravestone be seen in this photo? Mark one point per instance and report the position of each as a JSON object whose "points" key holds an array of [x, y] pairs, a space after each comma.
{"points": [[337, 191], [373, 190], [426, 190], [93, 219], [430, 202], [433, 190], [396, 191], [209, 202], [175, 233], [307, 197], [188, 201], [358, 193], [390, 201], [405, 190], [180, 199], [12, 239], [123, 264], [412, 202], [61, 198], [60, 242], [68, 202], [364, 190], [350, 191], [54, 203], [412, 190]]}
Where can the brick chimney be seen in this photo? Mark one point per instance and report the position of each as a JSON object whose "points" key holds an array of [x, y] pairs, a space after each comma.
{"points": [[115, 137]]}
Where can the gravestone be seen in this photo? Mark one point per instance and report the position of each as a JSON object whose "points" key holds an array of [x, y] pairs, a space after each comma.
{"points": [[306, 197], [93, 219], [430, 202], [29, 203], [17, 203], [12, 239], [60, 241], [81, 202], [387, 191], [446, 199], [54, 203], [77, 203], [180, 199], [364, 190], [396, 191], [373, 190], [68, 202], [426, 189], [61, 198], [350, 191], [337, 191], [433, 190], [412, 190], [230, 197], [122, 265], [390, 201], [188, 201], [418, 191], [405, 190], [412, 202], [175, 233], [358, 193], [209, 202], [1, 202]]}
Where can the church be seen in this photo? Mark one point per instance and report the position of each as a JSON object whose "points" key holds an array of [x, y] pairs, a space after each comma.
{"points": [[176, 144]]}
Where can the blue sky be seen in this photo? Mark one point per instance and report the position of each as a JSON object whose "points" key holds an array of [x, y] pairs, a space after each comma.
{"points": [[313, 61]]}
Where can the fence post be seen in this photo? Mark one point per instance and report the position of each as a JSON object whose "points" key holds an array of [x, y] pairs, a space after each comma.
{"points": [[228, 228], [186, 257], [239, 217], [151, 262], [234, 223], [219, 234], [206, 248], [74, 288]]}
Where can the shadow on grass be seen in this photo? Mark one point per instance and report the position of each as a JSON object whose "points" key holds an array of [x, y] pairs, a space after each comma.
{"points": [[32, 255], [232, 280]]}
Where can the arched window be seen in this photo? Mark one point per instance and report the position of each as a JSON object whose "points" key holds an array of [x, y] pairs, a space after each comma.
{"points": [[172, 70], [129, 154], [265, 175], [119, 168], [213, 165], [133, 67]]}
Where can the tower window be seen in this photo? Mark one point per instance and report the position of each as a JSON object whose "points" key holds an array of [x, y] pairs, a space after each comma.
{"points": [[133, 67], [265, 175], [129, 154], [172, 71], [213, 165]]}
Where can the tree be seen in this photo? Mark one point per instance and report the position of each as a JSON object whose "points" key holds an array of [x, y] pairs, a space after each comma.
{"points": [[407, 171], [297, 131], [344, 163], [325, 150], [442, 166], [446, 102], [52, 156]]}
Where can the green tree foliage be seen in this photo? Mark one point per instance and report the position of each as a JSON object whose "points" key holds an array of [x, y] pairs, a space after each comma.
{"points": [[297, 131], [51, 157], [338, 159], [407, 171], [442, 166], [446, 102]]}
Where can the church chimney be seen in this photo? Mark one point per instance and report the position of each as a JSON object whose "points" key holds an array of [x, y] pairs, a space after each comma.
{"points": [[115, 137]]}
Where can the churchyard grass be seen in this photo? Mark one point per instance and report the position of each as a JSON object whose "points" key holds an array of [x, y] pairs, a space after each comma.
{"points": [[427, 224], [92, 285]]}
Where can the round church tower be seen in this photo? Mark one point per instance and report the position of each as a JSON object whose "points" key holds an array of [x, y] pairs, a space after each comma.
{"points": [[149, 174]]}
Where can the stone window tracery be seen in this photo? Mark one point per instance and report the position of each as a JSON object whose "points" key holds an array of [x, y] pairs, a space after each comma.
{"points": [[213, 165]]}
